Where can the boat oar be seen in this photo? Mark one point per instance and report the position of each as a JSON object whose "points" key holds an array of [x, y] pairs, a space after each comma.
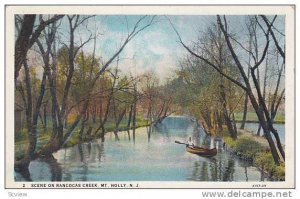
{"points": [[177, 142]]}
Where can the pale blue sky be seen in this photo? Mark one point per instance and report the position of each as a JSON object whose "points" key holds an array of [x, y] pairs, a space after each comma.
{"points": [[156, 48]]}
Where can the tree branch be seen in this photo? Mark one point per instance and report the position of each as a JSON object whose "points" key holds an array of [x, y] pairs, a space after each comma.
{"points": [[207, 61], [41, 27], [265, 19]]}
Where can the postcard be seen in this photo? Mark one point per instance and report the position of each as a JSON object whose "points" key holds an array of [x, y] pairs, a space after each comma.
{"points": [[138, 96]]}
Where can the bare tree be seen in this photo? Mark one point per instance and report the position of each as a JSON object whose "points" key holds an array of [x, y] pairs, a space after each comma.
{"points": [[32, 112], [27, 37], [55, 144], [258, 104]]}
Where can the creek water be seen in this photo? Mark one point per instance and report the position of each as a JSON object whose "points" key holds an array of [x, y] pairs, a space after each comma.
{"points": [[150, 155], [254, 126]]}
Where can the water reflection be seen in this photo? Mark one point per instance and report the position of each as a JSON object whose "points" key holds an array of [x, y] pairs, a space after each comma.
{"points": [[43, 169], [148, 154], [128, 133], [24, 175]]}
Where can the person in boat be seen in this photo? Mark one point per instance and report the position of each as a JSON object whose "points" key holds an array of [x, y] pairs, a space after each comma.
{"points": [[190, 142], [224, 146]]}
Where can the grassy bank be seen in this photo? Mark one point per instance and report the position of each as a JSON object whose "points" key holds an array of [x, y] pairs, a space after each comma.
{"points": [[255, 148], [21, 141], [109, 127], [252, 117]]}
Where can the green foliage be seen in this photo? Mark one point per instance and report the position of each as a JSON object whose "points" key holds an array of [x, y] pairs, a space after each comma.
{"points": [[21, 135], [251, 116], [248, 147], [280, 117], [279, 172], [245, 145], [22, 143], [207, 93], [265, 161], [109, 126], [86, 68], [73, 140], [230, 142]]}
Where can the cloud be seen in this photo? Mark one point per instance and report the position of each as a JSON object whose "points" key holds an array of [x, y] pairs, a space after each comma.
{"points": [[152, 50]]}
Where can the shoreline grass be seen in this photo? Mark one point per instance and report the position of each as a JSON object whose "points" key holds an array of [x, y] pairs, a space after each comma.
{"points": [[252, 117], [21, 143], [255, 149]]}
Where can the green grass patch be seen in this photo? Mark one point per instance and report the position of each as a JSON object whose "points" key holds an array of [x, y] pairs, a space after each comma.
{"points": [[21, 141], [265, 161], [109, 127], [252, 117], [247, 146], [244, 145]]}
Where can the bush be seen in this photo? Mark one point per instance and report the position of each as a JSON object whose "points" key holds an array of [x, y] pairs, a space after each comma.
{"points": [[266, 162], [230, 142], [280, 172], [21, 135], [248, 147]]}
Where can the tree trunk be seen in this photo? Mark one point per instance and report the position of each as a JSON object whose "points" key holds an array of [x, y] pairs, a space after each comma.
{"points": [[129, 117], [245, 112], [246, 102], [206, 117], [27, 38], [232, 132], [45, 115], [265, 128], [219, 120], [257, 108], [134, 120], [32, 119], [248, 75], [22, 42]]}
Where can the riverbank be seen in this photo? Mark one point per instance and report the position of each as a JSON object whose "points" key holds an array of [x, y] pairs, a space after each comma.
{"points": [[255, 148], [252, 117], [152, 157], [74, 140], [44, 136], [256, 121]]}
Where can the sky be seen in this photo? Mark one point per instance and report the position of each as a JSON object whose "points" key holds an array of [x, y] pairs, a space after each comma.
{"points": [[156, 48]]}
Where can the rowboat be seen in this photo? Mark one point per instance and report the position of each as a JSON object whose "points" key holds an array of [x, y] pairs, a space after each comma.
{"points": [[201, 151]]}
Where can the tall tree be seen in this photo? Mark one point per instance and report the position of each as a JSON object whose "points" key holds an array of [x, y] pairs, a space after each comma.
{"points": [[27, 36], [261, 111]]}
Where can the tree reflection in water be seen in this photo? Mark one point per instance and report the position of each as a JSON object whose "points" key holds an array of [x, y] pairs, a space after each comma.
{"points": [[123, 160], [229, 170], [211, 169], [84, 166], [25, 174], [128, 133], [53, 173]]}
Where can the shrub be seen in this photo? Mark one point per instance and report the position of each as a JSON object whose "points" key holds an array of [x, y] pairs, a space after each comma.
{"points": [[230, 142], [266, 162], [21, 135], [279, 172], [248, 146]]}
